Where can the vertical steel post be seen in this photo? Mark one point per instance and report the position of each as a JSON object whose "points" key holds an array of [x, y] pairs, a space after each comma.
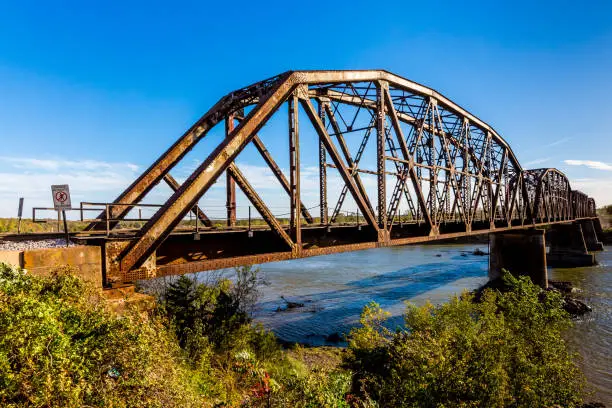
{"points": [[107, 213], [433, 171], [66, 228], [381, 117], [322, 169], [294, 177], [231, 185], [20, 213]]}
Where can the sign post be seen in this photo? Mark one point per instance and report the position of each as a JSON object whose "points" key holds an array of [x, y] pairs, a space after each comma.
{"points": [[19, 214], [61, 202]]}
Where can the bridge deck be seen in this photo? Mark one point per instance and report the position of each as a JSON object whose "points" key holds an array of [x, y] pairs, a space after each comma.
{"points": [[229, 247]]}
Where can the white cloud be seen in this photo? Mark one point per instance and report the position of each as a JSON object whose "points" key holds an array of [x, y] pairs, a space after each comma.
{"points": [[558, 142], [29, 163], [599, 189], [31, 178], [590, 164], [537, 161]]}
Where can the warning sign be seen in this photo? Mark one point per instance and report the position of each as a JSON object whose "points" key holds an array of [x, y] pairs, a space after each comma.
{"points": [[61, 197]]}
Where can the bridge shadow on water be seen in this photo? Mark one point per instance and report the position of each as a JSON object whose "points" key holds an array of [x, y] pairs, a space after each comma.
{"points": [[337, 311]]}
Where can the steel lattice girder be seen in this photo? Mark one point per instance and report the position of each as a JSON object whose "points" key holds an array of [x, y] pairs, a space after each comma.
{"points": [[459, 167]]}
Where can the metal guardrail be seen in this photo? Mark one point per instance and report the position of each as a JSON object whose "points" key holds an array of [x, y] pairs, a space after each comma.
{"points": [[97, 207], [106, 209]]}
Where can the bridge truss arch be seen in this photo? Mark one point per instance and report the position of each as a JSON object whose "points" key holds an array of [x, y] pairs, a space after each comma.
{"points": [[453, 172]]}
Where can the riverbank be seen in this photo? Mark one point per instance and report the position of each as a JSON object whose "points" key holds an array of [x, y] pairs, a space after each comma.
{"points": [[202, 350], [335, 288]]}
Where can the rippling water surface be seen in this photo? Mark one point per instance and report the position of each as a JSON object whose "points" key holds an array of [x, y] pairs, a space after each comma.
{"points": [[335, 288], [592, 334]]}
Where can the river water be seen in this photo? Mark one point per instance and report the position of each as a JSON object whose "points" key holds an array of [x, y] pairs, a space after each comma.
{"points": [[334, 289]]}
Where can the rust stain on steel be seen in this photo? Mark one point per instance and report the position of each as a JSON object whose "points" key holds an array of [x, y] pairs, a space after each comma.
{"points": [[295, 223], [211, 264], [402, 116], [265, 154], [331, 150], [267, 215], [158, 228], [153, 175], [408, 157], [197, 211], [381, 143], [347, 155], [462, 172], [230, 184]]}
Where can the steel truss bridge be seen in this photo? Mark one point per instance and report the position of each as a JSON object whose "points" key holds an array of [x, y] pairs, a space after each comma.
{"points": [[452, 172]]}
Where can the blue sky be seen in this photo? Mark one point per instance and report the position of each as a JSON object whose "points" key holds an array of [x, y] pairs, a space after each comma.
{"points": [[92, 92]]}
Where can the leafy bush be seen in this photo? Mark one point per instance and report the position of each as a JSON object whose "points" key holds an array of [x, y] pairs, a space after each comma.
{"points": [[314, 384], [215, 314], [238, 363], [504, 351], [60, 347]]}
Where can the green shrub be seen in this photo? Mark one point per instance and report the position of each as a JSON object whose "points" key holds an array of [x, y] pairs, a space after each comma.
{"points": [[60, 347], [312, 385], [216, 314], [238, 363], [504, 351]]}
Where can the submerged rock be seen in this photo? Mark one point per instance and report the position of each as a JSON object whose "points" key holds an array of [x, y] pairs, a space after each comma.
{"points": [[575, 307], [562, 286], [289, 305], [334, 338]]}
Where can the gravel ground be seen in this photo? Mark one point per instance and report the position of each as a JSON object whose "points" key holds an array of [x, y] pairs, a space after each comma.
{"points": [[22, 245]]}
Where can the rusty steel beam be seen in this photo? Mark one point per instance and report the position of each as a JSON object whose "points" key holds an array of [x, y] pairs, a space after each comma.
{"points": [[499, 185], [381, 182], [322, 170], [345, 151], [416, 185], [295, 223], [153, 175], [462, 159], [230, 186], [157, 229], [258, 203], [403, 117], [398, 82], [354, 171], [253, 94], [344, 172], [197, 211], [265, 154]]}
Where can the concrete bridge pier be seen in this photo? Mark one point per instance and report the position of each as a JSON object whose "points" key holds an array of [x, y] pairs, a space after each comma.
{"points": [[590, 235], [568, 247], [520, 252]]}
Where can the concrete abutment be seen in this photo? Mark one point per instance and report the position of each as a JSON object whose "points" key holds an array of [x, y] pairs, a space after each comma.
{"points": [[568, 247], [521, 253], [589, 231]]}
